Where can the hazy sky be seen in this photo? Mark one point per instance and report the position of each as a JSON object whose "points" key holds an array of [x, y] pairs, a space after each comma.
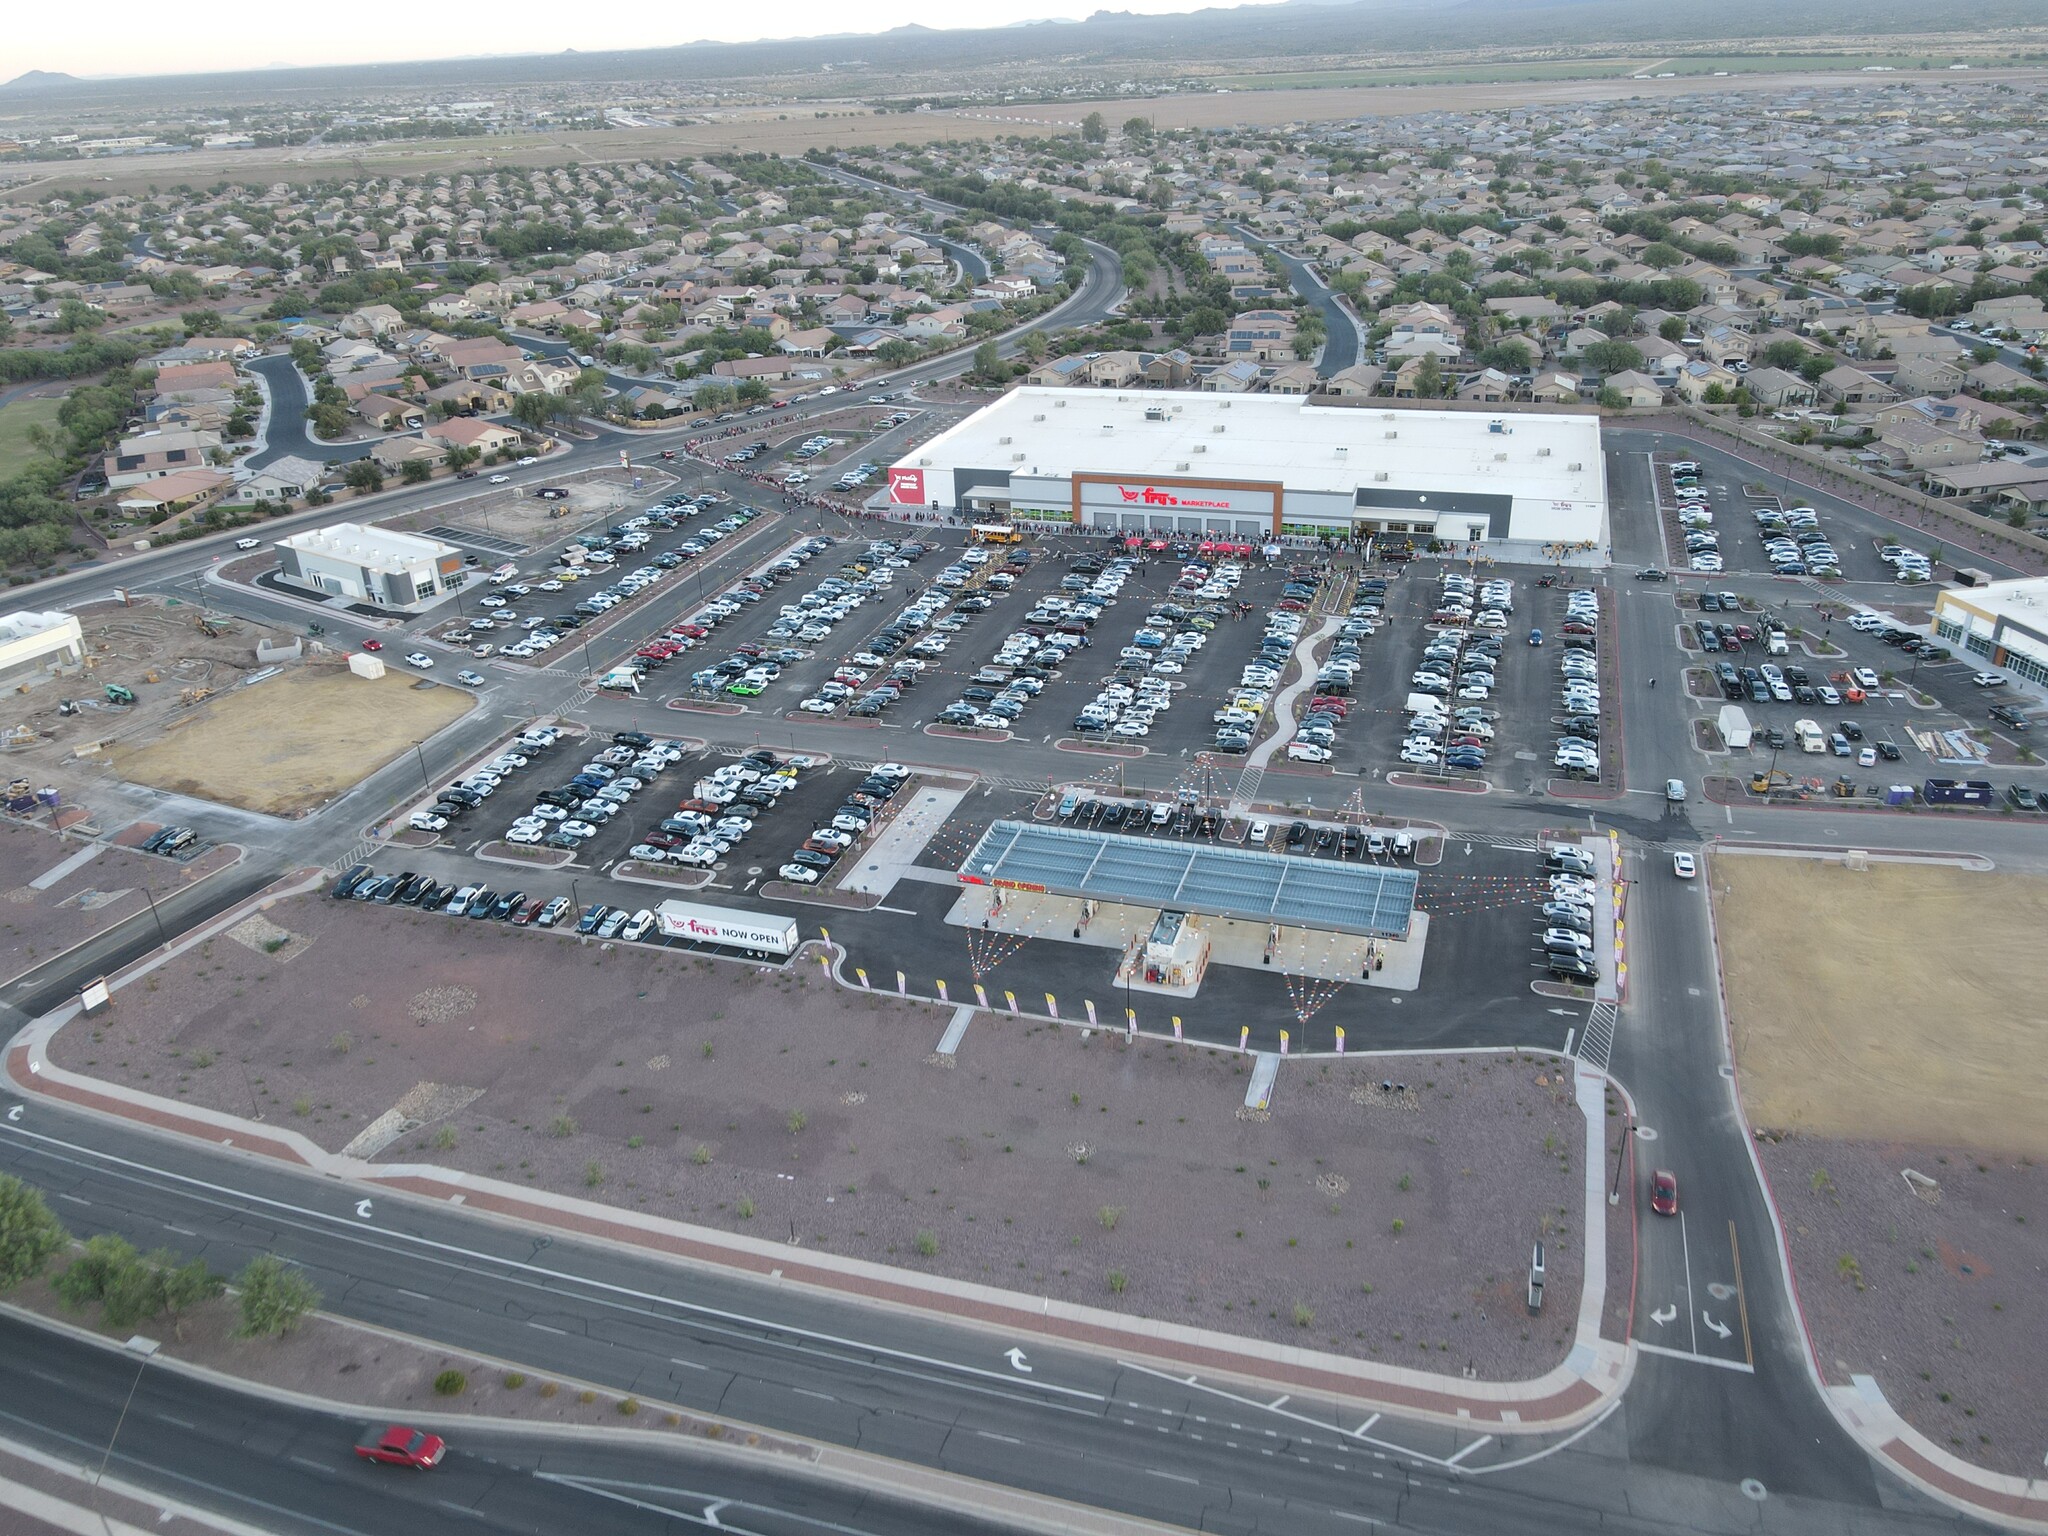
{"points": [[132, 37]]}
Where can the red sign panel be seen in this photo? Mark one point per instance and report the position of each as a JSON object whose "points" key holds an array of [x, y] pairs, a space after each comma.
{"points": [[906, 487]]}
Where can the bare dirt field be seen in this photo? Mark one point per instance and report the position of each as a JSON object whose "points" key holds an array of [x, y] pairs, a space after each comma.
{"points": [[293, 741], [1898, 1002], [1941, 1294], [529, 520], [791, 129], [1392, 1225], [105, 890], [1888, 1021]]}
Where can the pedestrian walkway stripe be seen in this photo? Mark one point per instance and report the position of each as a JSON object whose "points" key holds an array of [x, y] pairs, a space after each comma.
{"points": [[1598, 1042]]}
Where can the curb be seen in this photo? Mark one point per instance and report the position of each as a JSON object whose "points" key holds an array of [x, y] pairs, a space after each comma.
{"points": [[1567, 1395], [970, 1497]]}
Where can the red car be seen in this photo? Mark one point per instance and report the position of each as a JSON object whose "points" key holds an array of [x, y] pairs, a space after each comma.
{"points": [[1664, 1192], [399, 1446], [373, 645]]}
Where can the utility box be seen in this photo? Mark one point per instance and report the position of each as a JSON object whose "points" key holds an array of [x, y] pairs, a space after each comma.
{"points": [[1536, 1281]]}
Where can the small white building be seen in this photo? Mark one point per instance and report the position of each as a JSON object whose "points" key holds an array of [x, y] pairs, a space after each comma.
{"points": [[370, 565], [2002, 623], [38, 644]]}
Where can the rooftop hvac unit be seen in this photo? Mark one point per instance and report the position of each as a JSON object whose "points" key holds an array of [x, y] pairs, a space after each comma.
{"points": [[1109, 426], [1182, 466], [1059, 405], [1154, 413], [1381, 475], [1542, 453], [1217, 428], [1392, 435], [1039, 417], [1575, 468], [1016, 458], [1386, 415], [1341, 450], [924, 463], [1177, 409], [1200, 448], [1003, 441], [1223, 405], [1500, 458]]}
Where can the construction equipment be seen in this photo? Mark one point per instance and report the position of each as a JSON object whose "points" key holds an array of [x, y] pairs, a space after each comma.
{"points": [[193, 695], [116, 694], [1764, 783], [208, 628], [1843, 788]]}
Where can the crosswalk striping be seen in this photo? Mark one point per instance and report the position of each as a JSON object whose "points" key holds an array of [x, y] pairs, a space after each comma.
{"points": [[1596, 1045]]}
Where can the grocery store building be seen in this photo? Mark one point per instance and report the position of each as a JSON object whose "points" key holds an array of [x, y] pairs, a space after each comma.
{"points": [[1528, 485], [2004, 623], [370, 565]]}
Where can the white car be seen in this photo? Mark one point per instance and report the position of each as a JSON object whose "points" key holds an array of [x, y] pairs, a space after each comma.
{"points": [[526, 834], [798, 874], [470, 679], [1420, 755], [1682, 865], [247, 543], [500, 480], [528, 462], [1988, 679], [427, 821], [419, 659]]}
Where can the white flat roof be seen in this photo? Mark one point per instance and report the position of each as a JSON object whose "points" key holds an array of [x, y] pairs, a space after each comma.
{"points": [[1303, 445], [377, 549], [2023, 600]]}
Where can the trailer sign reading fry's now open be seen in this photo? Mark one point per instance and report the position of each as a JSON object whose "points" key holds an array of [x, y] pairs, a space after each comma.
{"points": [[725, 925]]}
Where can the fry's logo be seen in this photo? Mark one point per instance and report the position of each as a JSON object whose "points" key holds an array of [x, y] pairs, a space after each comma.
{"points": [[906, 487], [1152, 496]]}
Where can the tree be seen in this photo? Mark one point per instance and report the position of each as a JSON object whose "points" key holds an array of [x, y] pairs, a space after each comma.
{"points": [[75, 315], [1508, 355], [534, 408], [1137, 130], [988, 367], [754, 391], [461, 457], [1612, 399], [1094, 129], [131, 1287], [1429, 378], [1671, 328], [363, 476], [1612, 356], [416, 472], [1788, 355], [275, 1298], [1035, 346], [30, 1235]]}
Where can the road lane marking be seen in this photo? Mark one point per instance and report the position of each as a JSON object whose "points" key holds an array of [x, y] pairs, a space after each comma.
{"points": [[1695, 1357], [524, 1271], [1741, 1297], [1468, 1450], [1692, 1312]]}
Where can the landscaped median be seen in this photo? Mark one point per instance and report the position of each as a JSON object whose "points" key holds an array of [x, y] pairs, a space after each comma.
{"points": [[1367, 1235]]}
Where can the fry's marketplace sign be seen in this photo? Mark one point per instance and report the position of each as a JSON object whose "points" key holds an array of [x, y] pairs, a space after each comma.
{"points": [[1152, 496]]}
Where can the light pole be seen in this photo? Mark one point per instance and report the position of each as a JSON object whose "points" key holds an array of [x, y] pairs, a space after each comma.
{"points": [[145, 1348], [420, 751], [150, 897], [1620, 1153]]}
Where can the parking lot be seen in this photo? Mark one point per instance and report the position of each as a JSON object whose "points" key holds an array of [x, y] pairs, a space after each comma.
{"points": [[1757, 527]]}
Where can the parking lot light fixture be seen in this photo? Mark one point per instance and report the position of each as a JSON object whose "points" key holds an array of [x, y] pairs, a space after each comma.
{"points": [[1621, 1154]]}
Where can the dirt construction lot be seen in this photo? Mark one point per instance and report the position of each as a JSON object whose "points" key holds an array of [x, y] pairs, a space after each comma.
{"points": [[1901, 1002], [293, 741], [1390, 1225]]}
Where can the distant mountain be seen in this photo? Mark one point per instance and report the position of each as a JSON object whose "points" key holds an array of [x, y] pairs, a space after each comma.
{"points": [[39, 80], [1239, 38]]}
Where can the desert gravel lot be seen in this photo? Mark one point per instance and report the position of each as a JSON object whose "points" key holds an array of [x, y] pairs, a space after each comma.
{"points": [[1389, 1225]]}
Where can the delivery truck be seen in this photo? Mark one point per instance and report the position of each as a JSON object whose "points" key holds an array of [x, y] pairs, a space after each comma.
{"points": [[1811, 737], [1735, 732], [761, 932]]}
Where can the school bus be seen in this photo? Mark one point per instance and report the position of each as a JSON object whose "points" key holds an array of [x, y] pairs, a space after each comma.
{"points": [[994, 533]]}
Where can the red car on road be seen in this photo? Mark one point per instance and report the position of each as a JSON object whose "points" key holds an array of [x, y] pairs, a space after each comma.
{"points": [[400, 1446], [373, 645], [1664, 1192]]}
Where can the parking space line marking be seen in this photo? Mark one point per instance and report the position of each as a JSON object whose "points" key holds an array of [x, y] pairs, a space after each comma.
{"points": [[1458, 1456]]}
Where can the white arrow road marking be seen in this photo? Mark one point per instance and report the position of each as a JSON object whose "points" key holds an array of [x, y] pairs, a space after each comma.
{"points": [[1016, 1359], [1720, 1328], [363, 1209], [14, 1113], [1664, 1315]]}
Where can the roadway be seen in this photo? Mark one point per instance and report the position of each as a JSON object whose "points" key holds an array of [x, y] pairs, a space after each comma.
{"points": [[286, 430], [291, 1469], [1345, 341]]}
